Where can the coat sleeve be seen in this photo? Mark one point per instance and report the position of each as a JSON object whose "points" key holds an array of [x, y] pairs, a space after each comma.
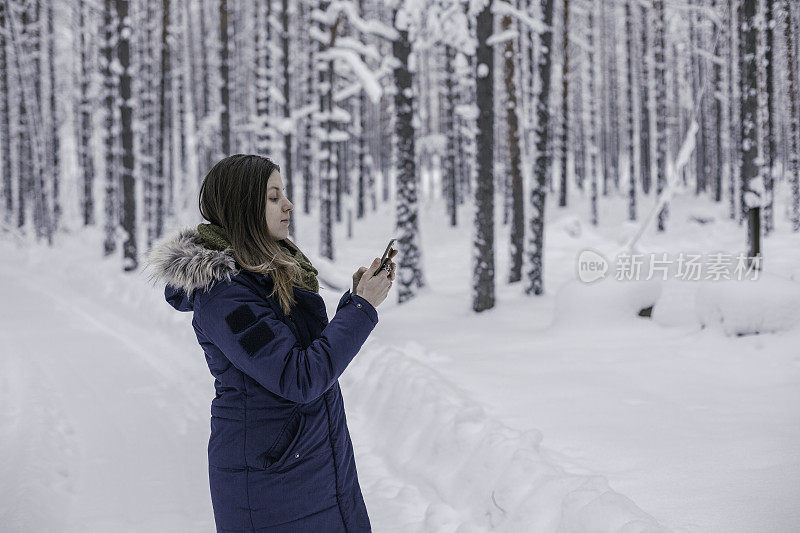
{"points": [[250, 334], [343, 300]]}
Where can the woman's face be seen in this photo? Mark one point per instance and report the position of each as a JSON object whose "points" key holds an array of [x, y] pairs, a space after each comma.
{"points": [[278, 207]]}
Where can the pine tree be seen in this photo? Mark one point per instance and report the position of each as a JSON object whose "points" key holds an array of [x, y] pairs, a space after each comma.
{"points": [[5, 118], [770, 144], [450, 180], [734, 111], [128, 214], [110, 89], [407, 224], [164, 109], [54, 160], [794, 120], [543, 166], [562, 197], [225, 85], [661, 106], [645, 146], [592, 59], [288, 166], [631, 118], [85, 106], [749, 105], [514, 170], [483, 251]]}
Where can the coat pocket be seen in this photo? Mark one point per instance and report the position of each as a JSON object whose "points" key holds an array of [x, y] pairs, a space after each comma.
{"points": [[285, 447]]}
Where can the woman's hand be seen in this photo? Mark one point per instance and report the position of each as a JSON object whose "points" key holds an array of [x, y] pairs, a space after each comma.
{"points": [[375, 288], [360, 271]]}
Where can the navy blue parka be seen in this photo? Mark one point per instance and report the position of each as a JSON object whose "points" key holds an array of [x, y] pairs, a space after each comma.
{"points": [[280, 457]]}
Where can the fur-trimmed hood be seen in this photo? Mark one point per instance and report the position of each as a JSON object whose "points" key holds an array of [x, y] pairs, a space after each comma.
{"points": [[185, 265]]}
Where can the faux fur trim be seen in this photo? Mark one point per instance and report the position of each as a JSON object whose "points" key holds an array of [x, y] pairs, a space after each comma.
{"points": [[183, 262]]}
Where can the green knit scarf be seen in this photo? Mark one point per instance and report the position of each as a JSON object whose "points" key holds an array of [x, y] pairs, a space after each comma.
{"points": [[214, 237]]}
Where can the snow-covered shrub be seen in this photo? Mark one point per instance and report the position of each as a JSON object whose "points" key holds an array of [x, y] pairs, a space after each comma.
{"points": [[768, 304]]}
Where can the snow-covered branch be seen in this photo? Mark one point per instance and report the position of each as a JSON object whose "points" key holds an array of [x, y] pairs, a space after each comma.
{"points": [[502, 8], [502, 37], [366, 50], [372, 27], [368, 79], [687, 147]]}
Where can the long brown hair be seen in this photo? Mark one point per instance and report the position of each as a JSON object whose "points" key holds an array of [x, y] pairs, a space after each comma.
{"points": [[234, 196]]}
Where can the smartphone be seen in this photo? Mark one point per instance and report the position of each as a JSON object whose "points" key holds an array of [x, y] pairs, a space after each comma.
{"points": [[385, 257]]}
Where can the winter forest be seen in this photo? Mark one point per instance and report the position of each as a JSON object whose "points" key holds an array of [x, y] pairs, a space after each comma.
{"points": [[534, 159]]}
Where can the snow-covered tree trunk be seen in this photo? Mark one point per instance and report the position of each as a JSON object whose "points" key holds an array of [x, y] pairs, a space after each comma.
{"points": [[288, 166], [54, 162], [110, 86], [305, 144], [483, 249], [749, 104], [698, 77], [565, 64], [181, 77], [36, 108], [5, 119], [770, 145], [610, 100], [225, 111], [128, 214], [326, 157], [579, 123], [164, 132], [209, 150], [85, 106], [794, 120], [661, 105], [644, 108], [264, 81], [514, 171], [543, 159], [722, 172], [592, 60], [631, 140], [450, 180], [144, 13], [734, 111], [407, 225]]}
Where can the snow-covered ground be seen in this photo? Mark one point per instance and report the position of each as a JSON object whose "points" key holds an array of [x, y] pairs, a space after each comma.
{"points": [[564, 412]]}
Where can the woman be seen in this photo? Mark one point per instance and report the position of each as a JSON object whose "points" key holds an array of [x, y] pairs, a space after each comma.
{"points": [[280, 457]]}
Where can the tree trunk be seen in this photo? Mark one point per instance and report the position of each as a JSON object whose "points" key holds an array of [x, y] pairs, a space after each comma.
{"points": [[543, 166], [483, 251], [749, 104], [514, 172], [661, 103], [631, 118], [645, 149], [409, 268], [770, 147], [562, 197], [128, 218], [110, 86], [225, 116], [794, 120], [5, 119]]}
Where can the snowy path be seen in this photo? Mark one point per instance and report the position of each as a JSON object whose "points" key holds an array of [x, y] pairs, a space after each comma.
{"points": [[104, 445], [105, 426], [102, 433]]}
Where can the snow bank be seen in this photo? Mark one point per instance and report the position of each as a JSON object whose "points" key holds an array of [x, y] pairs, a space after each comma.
{"points": [[484, 474], [744, 307], [676, 304], [604, 301]]}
